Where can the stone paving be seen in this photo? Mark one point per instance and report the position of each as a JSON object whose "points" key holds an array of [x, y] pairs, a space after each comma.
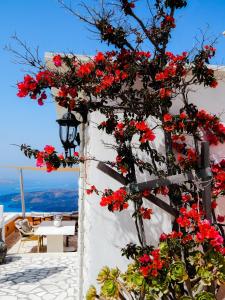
{"points": [[39, 276]]}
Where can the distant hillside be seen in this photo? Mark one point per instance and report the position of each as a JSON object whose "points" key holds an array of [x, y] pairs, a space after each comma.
{"points": [[48, 201]]}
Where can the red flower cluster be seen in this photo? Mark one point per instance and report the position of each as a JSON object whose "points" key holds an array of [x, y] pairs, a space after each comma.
{"points": [[115, 200], [99, 57], [210, 50], [40, 161], [151, 264], [194, 214], [163, 190], [146, 213], [218, 171], [209, 233], [197, 229], [186, 197], [49, 149], [167, 118], [91, 190], [28, 85], [165, 93], [146, 133], [175, 67], [43, 155], [220, 218], [168, 21], [121, 166], [210, 124], [128, 129], [31, 86], [85, 69], [188, 158], [57, 60], [172, 235]]}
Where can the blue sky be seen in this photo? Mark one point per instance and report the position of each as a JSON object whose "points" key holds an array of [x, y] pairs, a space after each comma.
{"points": [[45, 24]]}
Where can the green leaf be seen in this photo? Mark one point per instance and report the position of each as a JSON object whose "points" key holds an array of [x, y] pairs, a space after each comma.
{"points": [[164, 248], [137, 279], [206, 275], [103, 274], [91, 293], [109, 288], [205, 296], [115, 273], [178, 272]]}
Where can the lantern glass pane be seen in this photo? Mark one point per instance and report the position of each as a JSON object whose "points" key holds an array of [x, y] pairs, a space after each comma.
{"points": [[63, 133], [71, 134]]}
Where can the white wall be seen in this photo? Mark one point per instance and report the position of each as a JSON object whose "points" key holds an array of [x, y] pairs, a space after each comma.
{"points": [[102, 234], [105, 233]]}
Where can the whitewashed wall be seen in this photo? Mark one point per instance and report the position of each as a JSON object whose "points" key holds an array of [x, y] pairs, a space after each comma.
{"points": [[102, 234], [106, 233]]}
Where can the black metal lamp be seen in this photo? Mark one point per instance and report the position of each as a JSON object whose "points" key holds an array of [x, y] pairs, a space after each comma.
{"points": [[68, 132]]}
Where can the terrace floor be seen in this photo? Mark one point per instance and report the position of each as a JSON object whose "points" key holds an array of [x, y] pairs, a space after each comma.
{"points": [[39, 276]]}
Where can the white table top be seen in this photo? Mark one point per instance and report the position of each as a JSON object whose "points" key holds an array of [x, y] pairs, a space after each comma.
{"points": [[47, 228]]}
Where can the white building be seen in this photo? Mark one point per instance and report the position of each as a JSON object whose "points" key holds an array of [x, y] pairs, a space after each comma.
{"points": [[102, 234]]}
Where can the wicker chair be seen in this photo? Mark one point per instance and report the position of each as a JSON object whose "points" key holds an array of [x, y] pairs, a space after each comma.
{"points": [[27, 233]]}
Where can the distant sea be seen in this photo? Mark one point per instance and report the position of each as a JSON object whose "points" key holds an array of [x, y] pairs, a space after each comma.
{"points": [[39, 196]]}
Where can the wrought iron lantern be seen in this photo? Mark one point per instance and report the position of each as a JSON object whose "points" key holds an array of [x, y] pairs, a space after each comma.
{"points": [[68, 134]]}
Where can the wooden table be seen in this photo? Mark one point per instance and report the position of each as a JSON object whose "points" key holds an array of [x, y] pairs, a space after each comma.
{"points": [[55, 234]]}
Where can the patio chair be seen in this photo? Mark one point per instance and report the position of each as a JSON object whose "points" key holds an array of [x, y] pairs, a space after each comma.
{"points": [[26, 232]]}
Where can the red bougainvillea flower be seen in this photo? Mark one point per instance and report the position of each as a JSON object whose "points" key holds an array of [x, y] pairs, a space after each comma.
{"points": [[163, 237], [142, 126], [144, 259], [144, 271], [214, 204], [147, 136], [167, 118], [85, 69], [91, 190], [220, 218], [146, 193], [151, 264], [123, 169], [40, 159], [41, 98], [57, 59], [76, 154], [131, 5], [165, 93], [99, 57], [50, 167], [208, 232], [28, 85], [49, 149], [168, 20], [186, 197], [115, 200], [146, 133], [214, 84], [164, 190], [99, 73], [119, 159], [61, 157], [183, 221], [146, 213], [183, 115]]}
